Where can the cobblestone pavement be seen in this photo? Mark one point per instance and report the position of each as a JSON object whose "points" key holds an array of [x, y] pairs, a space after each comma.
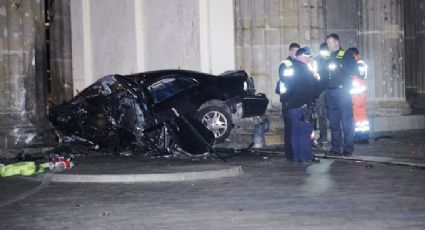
{"points": [[272, 194]]}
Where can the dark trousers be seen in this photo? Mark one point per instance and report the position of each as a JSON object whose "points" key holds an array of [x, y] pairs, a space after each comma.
{"points": [[322, 116], [340, 115], [300, 135], [287, 134]]}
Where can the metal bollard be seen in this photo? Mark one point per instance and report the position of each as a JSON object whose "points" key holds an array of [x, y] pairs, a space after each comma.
{"points": [[258, 138]]}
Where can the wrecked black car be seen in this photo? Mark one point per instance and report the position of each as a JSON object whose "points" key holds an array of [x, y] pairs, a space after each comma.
{"points": [[166, 110]]}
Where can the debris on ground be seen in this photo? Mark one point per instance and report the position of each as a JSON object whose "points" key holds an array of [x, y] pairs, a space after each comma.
{"points": [[24, 165], [60, 163], [27, 168]]}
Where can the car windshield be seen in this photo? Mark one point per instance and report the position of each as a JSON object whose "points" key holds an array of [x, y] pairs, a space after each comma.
{"points": [[168, 87]]}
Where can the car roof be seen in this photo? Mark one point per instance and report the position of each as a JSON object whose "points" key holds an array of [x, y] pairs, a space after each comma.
{"points": [[151, 76], [160, 73]]}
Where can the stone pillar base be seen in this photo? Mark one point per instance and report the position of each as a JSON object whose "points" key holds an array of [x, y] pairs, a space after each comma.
{"points": [[387, 107], [24, 137], [18, 130], [418, 102], [24, 129]]}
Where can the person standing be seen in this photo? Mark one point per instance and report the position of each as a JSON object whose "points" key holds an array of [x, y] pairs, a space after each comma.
{"points": [[358, 94], [302, 91], [338, 99], [285, 75], [322, 61]]}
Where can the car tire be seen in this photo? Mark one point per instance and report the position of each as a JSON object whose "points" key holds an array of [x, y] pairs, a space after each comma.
{"points": [[218, 120]]}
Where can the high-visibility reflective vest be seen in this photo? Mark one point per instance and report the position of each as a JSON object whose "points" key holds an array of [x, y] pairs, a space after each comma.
{"points": [[340, 54], [358, 83], [332, 65], [362, 69], [287, 73], [326, 54]]}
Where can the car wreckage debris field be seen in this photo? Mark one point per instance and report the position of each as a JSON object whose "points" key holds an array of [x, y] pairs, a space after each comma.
{"points": [[272, 193]]}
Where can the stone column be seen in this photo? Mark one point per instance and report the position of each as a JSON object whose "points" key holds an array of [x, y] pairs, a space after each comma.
{"points": [[23, 104], [381, 41], [342, 18], [410, 48], [264, 30], [60, 51], [419, 27], [414, 21]]}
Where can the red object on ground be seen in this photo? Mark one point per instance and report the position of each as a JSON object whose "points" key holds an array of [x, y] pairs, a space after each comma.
{"points": [[62, 162]]}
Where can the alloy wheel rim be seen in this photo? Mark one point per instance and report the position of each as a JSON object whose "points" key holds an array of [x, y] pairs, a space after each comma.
{"points": [[216, 122]]}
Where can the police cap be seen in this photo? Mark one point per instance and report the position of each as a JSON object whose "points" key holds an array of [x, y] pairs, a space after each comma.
{"points": [[304, 51]]}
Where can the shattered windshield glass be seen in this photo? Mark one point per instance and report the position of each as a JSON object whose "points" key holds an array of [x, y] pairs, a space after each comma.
{"points": [[168, 87]]}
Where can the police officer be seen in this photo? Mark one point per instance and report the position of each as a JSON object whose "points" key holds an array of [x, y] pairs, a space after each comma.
{"points": [[302, 89], [285, 72], [322, 61], [338, 99]]}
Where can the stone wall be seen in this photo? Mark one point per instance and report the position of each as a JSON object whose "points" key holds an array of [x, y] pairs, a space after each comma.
{"points": [[171, 32], [264, 30], [381, 42], [342, 17]]}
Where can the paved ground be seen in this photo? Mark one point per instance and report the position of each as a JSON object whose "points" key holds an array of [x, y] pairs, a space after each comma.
{"points": [[407, 144], [272, 194]]}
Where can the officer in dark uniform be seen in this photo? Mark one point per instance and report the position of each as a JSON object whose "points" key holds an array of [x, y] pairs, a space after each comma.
{"points": [[302, 91], [338, 99], [322, 61], [285, 73]]}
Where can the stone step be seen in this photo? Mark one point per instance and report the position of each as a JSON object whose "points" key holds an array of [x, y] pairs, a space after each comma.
{"points": [[396, 123]]}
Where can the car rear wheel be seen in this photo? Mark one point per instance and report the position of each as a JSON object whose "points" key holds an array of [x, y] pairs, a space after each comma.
{"points": [[218, 120]]}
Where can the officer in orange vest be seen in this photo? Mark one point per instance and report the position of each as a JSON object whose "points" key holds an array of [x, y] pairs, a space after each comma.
{"points": [[358, 95]]}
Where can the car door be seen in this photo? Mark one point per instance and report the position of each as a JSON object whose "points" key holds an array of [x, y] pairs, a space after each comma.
{"points": [[174, 94]]}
